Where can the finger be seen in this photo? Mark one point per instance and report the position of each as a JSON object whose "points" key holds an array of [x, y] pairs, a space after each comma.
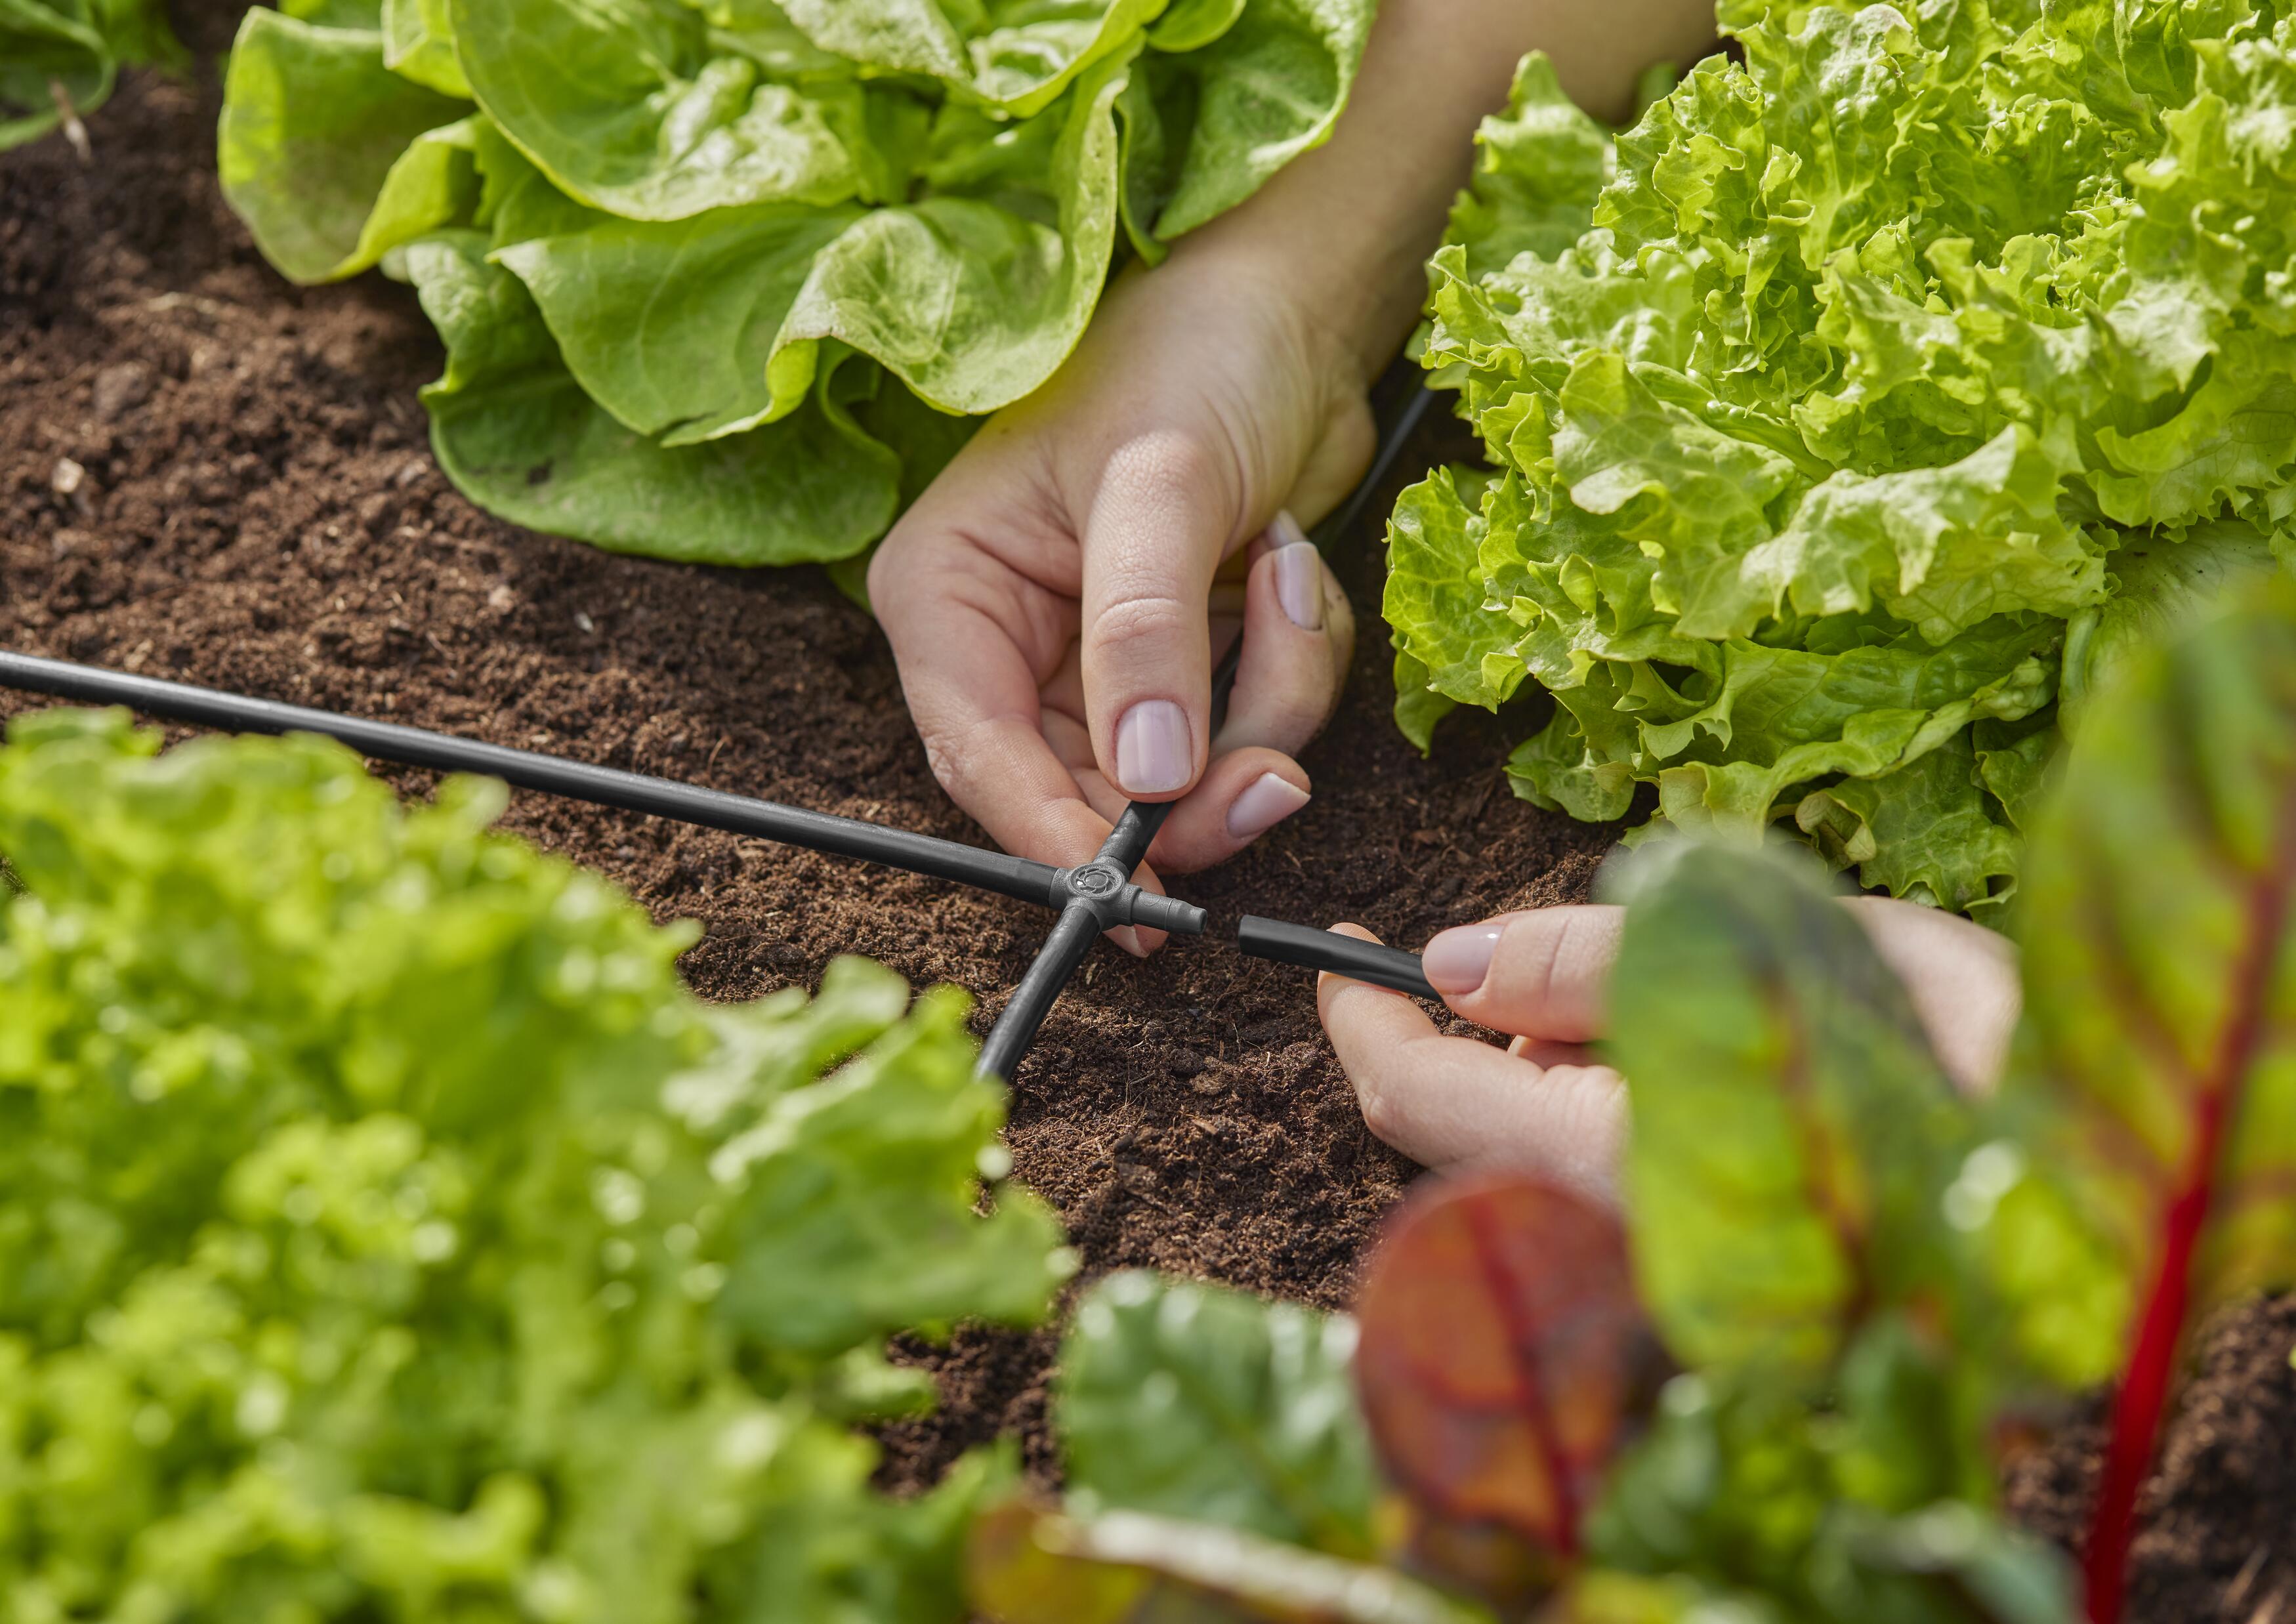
{"points": [[1242, 795], [1543, 974], [1342, 452], [1452, 1103], [1154, 530], [1961, 977], [972, 692], [1298, 635]]}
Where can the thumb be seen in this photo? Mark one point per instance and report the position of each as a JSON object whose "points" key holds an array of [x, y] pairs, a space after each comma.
{"points": [[1166, 511]]}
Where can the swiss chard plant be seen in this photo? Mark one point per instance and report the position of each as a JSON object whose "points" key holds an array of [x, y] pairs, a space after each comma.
{"points": [[1771, 1388], [59, 59], [1850, 415], [385, 1233], [727, 281]]}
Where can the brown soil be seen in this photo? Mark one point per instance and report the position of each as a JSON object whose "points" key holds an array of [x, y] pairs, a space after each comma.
{"points": [[256, 508], [2219, 1539]]}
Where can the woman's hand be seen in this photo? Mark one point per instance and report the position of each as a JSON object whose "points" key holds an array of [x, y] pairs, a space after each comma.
{"points": [[1052, 599], [1544, 1103]]}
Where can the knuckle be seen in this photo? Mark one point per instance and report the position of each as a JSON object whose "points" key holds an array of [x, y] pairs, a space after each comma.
{"points": [[1382, 1113], [1147, 621], [1164, 469]]}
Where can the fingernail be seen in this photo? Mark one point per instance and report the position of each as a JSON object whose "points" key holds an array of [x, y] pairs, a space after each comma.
{"points": [[1128, 938], [1299, 584], [1456, 961], [1284, 530], [1153, 753], [1265, 801]]}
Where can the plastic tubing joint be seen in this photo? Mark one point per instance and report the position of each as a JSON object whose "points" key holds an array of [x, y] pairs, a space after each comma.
{"points": [[1103, 889]]}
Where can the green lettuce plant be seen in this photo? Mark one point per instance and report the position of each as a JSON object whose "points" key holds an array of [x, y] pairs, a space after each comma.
{"points": [[1771, 1388], [727, 281], [386, 1233], [1849, 415], [58, 59]]}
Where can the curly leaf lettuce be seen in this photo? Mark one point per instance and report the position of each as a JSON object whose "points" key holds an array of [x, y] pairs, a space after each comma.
{"points": [[1852, 407], [782, 250], [381, 1220]]}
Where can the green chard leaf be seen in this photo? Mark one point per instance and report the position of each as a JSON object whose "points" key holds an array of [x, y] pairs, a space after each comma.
{"points": [[1794, 1133], [2147, 1176]]}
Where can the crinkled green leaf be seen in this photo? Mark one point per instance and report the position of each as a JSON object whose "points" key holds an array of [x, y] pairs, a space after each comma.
{"points": [[511, 425], [627, 106], [856, 1192], [1188, 1400], [1794, 1133], [1538, 166], [361, 1250], [1911, 322], [1924, 832], [1431, 543], [329, 157]]}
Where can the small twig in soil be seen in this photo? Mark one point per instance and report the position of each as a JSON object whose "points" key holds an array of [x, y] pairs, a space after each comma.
{"points": [[74, 130]]}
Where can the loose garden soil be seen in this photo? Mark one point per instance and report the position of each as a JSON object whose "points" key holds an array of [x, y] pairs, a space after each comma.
{"points": [[208, 474]]}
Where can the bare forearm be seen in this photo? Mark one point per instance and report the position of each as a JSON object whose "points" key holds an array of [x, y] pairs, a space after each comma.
{"points": [[1350, 225]]}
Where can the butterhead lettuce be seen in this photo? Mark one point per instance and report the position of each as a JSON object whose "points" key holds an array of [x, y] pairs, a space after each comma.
{"points": [[1853, 412], [724, 281]]}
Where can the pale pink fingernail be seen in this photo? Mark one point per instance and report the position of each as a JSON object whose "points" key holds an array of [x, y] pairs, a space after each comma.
{"points": [[1128, 938], [1154, 754], [1265, 801], [1299, 584], [1456, 961]]}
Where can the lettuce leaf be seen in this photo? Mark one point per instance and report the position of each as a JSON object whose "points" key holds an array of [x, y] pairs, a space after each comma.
{"points": [[60, 56], [745, 228], [380, 1218], [512, 426], [1866, 392]]}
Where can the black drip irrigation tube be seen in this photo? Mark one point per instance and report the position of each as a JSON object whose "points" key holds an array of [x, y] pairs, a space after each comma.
{"points": [[1090, 898]]}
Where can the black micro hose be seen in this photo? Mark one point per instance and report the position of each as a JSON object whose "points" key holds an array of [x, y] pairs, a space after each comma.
{"points": [[992, 871], [1313, 949], [1091, 897]]}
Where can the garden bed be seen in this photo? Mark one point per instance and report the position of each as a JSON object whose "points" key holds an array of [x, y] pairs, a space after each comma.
{"points": [[255, 508]]}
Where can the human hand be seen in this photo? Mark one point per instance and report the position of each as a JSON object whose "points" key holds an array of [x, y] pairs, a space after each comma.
{"points": [[1544, 1103], [1054, 599]]}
